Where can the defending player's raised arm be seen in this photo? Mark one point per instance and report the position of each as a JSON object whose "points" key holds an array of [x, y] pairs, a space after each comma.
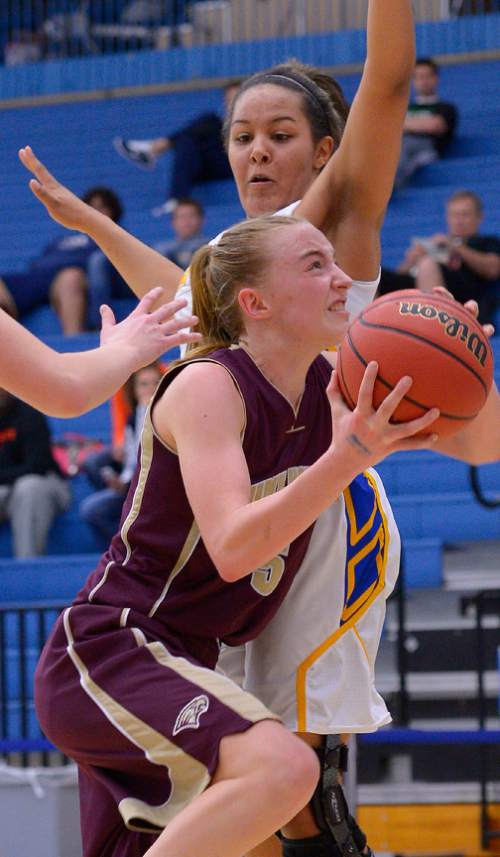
{"points": [[479, 443], [348, 199], [201, 415], [141, 267], [66, 385]]}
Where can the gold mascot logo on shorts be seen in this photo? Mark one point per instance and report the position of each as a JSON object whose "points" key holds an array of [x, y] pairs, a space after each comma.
{"points": [[453, 327]]}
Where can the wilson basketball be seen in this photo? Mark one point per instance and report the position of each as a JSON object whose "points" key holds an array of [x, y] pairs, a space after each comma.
{"points": [[432, 339]]}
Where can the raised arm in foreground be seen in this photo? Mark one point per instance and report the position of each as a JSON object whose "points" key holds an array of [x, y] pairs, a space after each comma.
{"points": [[66, 385]]}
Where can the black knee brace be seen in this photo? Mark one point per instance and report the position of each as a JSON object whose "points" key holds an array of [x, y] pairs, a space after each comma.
{"points": [[329, 805], [314, 846]]}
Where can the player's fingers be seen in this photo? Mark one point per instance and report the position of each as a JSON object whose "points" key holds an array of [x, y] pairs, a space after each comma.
{"points": [[489, 330], [472, 307], [365, 394], [174, 324], [31, 162], [147, 302], [45, 196], [184, 337], [386, 409], [442, 290], [333, 386], [107, 318], [166, 311], [36, 187], [425, 442], [334, 395], [412, 427]]}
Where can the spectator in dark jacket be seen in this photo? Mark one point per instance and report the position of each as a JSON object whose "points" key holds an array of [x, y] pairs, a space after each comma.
{"points": [[466, 262], [32, 488], [430, 123], [197, 150]]}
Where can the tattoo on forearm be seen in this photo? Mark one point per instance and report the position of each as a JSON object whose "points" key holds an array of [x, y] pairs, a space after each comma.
{"points": [[355, 441]]}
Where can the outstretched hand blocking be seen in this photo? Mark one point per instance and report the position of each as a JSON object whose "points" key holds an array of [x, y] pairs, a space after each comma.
{"points": [[62, 204], [149, 333]]}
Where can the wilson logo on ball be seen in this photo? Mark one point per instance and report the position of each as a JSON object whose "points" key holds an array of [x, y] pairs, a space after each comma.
{"points": [[433, 340], [453, 326]]}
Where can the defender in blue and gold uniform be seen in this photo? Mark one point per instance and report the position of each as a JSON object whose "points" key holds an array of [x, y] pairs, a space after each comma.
{"points": [[314, 661]]}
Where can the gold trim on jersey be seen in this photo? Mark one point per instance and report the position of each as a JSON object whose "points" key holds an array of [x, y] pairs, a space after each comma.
{"points": [[276, 483], [176, 369], [295, 429], [124, 617], [362, 644], [357, 535], [146, 461], [381, 536], [352, 614], [102, 580], [184, 557], [188, 776], [244, 704], [377, 585]]}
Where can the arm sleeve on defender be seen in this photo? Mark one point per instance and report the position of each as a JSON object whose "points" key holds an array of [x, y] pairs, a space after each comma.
{"points": [[361, 293]]}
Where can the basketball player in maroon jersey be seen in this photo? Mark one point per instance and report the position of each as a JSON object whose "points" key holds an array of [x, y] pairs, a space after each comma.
{"points": [[236, 463]]}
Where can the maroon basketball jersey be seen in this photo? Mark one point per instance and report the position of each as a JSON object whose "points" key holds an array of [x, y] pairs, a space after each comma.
{"points": [[157, 565]]}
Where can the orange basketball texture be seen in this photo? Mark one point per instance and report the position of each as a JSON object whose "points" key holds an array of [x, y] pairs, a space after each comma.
{"points": [[432, 339]]}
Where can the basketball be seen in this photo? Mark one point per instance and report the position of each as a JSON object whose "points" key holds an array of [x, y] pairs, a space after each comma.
{"points": [[432, 339]]}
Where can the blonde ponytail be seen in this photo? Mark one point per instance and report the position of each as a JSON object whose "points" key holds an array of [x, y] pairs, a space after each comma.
{"points": [[205, 305], [217, 273]]}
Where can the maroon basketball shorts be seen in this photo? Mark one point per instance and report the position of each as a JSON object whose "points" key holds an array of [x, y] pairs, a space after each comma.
{"points": [[142, 721]]}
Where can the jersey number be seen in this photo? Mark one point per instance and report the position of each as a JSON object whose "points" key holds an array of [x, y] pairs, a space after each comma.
{"points": [[266, 579]]}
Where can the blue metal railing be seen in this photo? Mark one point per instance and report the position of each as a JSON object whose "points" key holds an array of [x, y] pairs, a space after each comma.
{"points": [[24, 629]]}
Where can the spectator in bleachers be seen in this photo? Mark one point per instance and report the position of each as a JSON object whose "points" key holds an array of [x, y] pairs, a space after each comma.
{"points": [[429, 125], [68, 32], [111, 470], [23, 47], [197, 149], [462, 260], [59, 274], [187, 223], [32, 488], [104, 282], [144, 12]]}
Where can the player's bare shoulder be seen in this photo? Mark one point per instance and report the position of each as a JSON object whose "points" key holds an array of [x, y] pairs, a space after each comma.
{"points": [[201, 392]]}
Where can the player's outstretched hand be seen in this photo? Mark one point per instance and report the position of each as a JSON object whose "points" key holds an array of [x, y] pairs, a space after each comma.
{"points": [[62, 205], [366, 435], [149, 334]]}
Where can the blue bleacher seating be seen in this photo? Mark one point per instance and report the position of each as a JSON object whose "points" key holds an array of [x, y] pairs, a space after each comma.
{"points": [[81, 157], [431, 511]]}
